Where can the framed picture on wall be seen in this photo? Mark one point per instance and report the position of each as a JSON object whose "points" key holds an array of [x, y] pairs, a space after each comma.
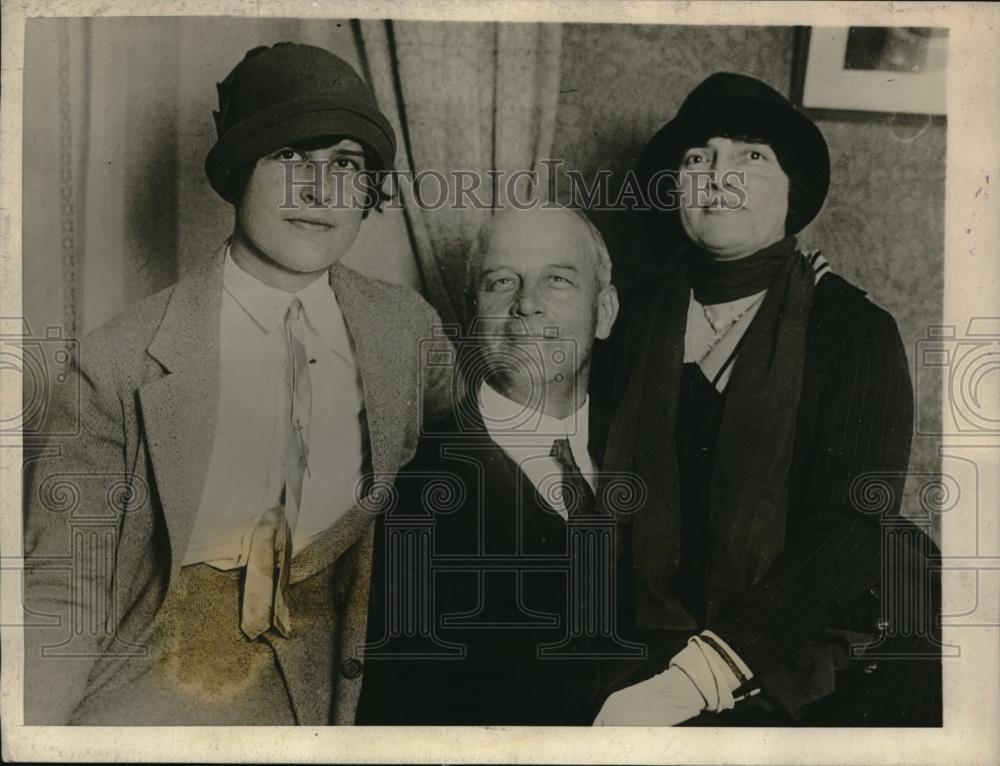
{"points": [[873, 69]]}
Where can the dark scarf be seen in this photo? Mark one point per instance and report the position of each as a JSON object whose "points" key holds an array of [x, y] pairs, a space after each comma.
{"points": [[715, 281], [748, 492]]}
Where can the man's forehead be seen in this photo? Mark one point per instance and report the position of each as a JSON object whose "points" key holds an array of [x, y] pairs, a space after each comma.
{"points": [[538, 237], [533, 259]]}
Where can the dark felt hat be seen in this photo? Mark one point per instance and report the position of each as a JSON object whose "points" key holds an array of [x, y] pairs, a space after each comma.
{"points": [[727, 104], [287, 93]]}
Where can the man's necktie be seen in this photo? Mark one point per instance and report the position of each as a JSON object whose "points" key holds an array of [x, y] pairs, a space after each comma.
{"points": [[269, 560], [578, 497]]}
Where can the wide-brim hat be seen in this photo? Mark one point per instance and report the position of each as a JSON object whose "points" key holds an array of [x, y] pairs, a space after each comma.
{"points": [[727, 104], [286, 94]]}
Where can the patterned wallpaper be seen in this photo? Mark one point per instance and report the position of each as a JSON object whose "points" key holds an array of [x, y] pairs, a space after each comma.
{"points": [[882, 226]]}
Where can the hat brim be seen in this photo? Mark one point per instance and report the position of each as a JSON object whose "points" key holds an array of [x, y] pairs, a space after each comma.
{"points": [[246, 143]]}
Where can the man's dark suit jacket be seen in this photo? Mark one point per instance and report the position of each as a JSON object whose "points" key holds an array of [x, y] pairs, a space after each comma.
{"points": [[501, 680], [843, 529]]}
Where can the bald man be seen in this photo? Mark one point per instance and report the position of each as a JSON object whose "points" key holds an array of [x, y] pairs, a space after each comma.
{"points": [[521, 457]]}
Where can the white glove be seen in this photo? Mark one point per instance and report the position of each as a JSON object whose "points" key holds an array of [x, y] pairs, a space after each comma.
{"points": [[664, 700]]}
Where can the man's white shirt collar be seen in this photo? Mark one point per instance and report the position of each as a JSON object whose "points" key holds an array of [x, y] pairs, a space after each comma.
{"points": [[527, 436], [510, 422]]}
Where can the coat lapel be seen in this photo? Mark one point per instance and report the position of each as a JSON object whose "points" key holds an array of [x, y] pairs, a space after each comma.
{"points": [[376, 344], [179, 409], [315, 620]]}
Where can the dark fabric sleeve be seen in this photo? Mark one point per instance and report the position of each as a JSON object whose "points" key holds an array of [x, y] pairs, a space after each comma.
{"points": [[436, 367], [863, 409], [610, 356]]}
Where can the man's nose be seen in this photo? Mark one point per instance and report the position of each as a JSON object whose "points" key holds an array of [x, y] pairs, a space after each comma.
{"points": [[527, 303]]}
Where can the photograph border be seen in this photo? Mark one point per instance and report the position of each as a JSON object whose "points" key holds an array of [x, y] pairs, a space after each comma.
{"points": [[972, 272]]}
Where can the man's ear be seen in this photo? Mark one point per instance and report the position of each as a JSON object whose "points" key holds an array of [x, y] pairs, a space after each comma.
{"points": [[607, 312]]}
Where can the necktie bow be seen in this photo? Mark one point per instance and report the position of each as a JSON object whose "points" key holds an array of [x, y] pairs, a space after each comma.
{"points": [[269, 559]]}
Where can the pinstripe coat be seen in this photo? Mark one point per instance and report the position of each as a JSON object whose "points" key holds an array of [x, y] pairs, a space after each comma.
{"points": [[110, 509], [792, 627]]}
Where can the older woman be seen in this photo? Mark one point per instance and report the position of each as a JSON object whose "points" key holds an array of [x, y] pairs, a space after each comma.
{"points": [[754, 389]]}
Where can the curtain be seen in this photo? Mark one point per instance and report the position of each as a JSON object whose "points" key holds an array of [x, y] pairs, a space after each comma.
{"points": [[117, 124], [118, 121], [461, 97]]}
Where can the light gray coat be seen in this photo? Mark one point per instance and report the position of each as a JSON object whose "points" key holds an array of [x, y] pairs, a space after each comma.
{"points": [[110, 509]]}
